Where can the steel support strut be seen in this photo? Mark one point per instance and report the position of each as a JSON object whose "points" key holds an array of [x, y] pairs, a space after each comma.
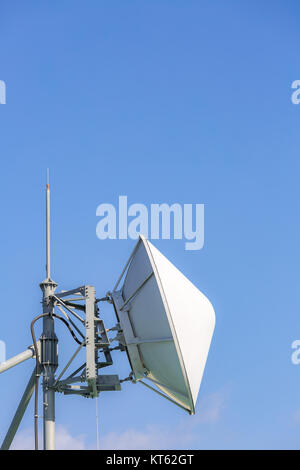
{"points": [[19, 413]]}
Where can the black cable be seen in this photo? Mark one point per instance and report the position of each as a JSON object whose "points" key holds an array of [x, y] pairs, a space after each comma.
{"points": [[37, 376], [67, 325], [103, 299], [38, 367]]}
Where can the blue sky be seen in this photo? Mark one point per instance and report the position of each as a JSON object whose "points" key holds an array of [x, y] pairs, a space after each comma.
{"points": [[162, 101]]}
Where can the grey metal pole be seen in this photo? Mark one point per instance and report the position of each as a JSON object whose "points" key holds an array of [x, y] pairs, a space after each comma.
{"points": [[49, 341], [19, 413]]}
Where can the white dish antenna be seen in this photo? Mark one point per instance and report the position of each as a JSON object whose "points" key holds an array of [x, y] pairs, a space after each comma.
{"points": [[167, 325]]}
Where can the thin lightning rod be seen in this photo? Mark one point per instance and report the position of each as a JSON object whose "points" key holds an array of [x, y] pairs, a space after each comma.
{"points": [[47, 227]]}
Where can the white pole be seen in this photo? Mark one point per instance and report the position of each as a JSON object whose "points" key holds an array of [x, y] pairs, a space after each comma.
{"points": [[14, 361], [97, 424]]}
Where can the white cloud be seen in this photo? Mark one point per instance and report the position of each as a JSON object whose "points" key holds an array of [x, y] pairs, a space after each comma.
{"points": [[151, 438], [182, 435], [210, 408], [24, 440], [185, 434], [296, 416]]}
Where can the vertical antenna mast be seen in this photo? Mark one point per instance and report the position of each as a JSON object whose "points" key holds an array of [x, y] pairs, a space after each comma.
{"points": [[49, 356]]}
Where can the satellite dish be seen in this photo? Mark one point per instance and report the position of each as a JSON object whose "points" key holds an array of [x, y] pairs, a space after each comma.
{"points": [[167, 325]]}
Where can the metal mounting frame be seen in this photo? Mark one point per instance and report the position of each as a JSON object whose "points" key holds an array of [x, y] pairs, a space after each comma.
{"points": [[96, 341]]}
